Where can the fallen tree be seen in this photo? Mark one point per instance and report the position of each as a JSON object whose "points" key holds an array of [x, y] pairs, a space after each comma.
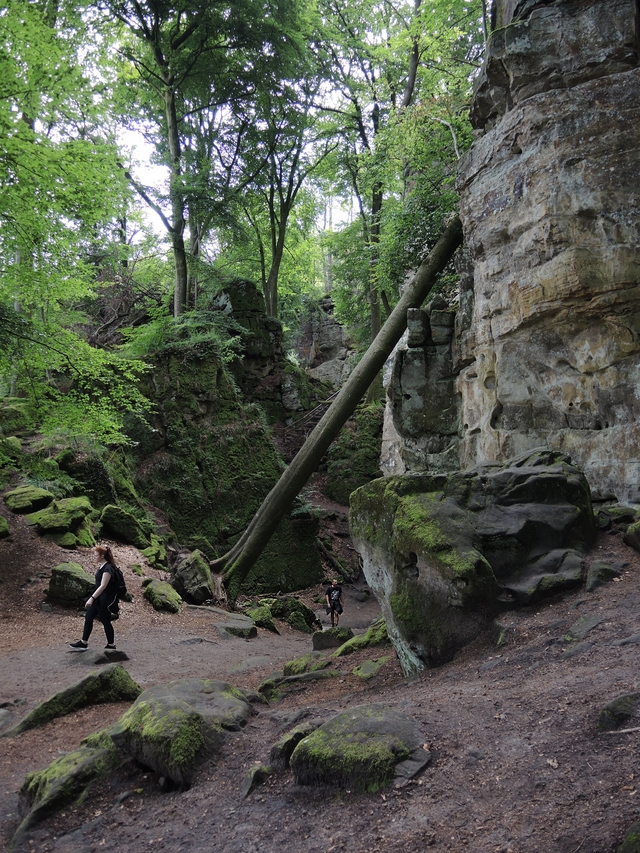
{"points": [[231, 569]]}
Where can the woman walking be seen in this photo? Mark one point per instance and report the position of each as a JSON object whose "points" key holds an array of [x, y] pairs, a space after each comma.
{"points": [[104, 595]]}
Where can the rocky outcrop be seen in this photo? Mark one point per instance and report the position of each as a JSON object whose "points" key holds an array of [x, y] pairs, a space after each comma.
{"points": [[360, 749], [323, 346], [444, 554], [173, 727], [549, 203]]}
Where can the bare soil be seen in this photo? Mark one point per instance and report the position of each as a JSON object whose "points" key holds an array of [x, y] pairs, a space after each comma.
{"points": [[518, 763]]}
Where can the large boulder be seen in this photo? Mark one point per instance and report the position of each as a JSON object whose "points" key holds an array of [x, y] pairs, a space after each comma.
{"points": [[27, 499], [444, 553], [358, 749], [64, 782], [173, 727], [162, 596], [192, 578], [550, 349], [125, 526], [70, 585], [65, 521]]}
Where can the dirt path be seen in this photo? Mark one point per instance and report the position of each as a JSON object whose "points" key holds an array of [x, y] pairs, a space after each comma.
{"points": [[519, 766]]}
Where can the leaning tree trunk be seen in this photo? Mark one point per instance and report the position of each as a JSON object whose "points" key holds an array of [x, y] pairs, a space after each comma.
{"points": [[236, 564]]}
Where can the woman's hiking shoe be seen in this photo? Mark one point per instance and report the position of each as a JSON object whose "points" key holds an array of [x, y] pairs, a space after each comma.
{"points": [[110, 646], [79, 646]]}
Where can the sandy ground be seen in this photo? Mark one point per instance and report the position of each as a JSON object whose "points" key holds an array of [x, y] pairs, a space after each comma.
{"points": [[519, 765]]}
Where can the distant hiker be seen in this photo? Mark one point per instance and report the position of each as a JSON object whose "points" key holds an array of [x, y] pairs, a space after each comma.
{"points": [[103, 597], [333, 597]]}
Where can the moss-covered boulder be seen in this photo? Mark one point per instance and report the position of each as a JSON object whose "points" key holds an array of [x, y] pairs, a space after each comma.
{"points": [[631, 842], [263, 617], [162, 596], [375, 635], [618, 711], [61, 515], [65, 781], [172, 728], [11, 455], [368, 668], [111, 683], [294, 612], [357, 749], [70, 585], [125, 526], [444, 553], [307, 663], [27, 499], [354, 457], [4, 527], [632, 535], [192, 578], [237, 625], [332, 638]]}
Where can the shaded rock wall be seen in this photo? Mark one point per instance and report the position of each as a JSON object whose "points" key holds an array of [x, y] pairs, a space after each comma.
{"points": [[549, 201]]}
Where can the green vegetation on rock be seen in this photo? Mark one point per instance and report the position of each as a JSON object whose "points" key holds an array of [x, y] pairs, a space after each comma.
{"points": [[162, 596], [354, 457]]}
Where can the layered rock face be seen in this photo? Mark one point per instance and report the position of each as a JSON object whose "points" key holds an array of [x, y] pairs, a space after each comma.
{"points": [[443, 554], [549, 201]]}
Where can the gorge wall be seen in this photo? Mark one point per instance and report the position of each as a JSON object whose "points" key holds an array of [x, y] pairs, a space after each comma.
{"points": [[547, 341]]}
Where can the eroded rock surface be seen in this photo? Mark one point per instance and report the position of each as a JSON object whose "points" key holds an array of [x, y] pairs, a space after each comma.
{"points": [[444, 553], [549, 203]]}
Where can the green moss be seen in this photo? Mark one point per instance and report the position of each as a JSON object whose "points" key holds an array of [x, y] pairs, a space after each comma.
{"points": [[306, 663], [110, 684], [162, 596], [354, 457], [27, 499], [61, 516], [356, 761], [376, 635], [263, 617]]}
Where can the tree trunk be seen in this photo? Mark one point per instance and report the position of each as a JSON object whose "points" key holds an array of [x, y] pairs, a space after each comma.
{"points": [[236, 564]]}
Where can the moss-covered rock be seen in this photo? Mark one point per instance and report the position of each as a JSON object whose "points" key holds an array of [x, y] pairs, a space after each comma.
{"points": [[192, 579], [65, 781], [618, 711], [354, 457], [4, 527], [172, 728], [276, 685], [444, 553], [27, 499], [332, 638], [125, 526], [263, 617], [357, 749], [307, 663], [208, 460], [368, 668], [295, 613], [70, 585], [111, 683], [376, 635], [162, 596], [631, 842], [65, 515], [632, 535]]}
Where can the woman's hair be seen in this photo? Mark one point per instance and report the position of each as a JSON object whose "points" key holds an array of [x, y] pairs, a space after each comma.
{"points": [[105, 553]]}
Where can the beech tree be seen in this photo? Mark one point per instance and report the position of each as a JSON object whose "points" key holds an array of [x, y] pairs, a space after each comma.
{"points": [[200, 64], [233, 567]]}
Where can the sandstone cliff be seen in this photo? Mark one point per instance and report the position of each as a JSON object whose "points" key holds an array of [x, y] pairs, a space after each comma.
{"points": [[550, 354]]}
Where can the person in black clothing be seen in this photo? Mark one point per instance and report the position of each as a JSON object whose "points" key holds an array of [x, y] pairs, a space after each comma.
{"points": [[98, 603], [333, 597]]}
